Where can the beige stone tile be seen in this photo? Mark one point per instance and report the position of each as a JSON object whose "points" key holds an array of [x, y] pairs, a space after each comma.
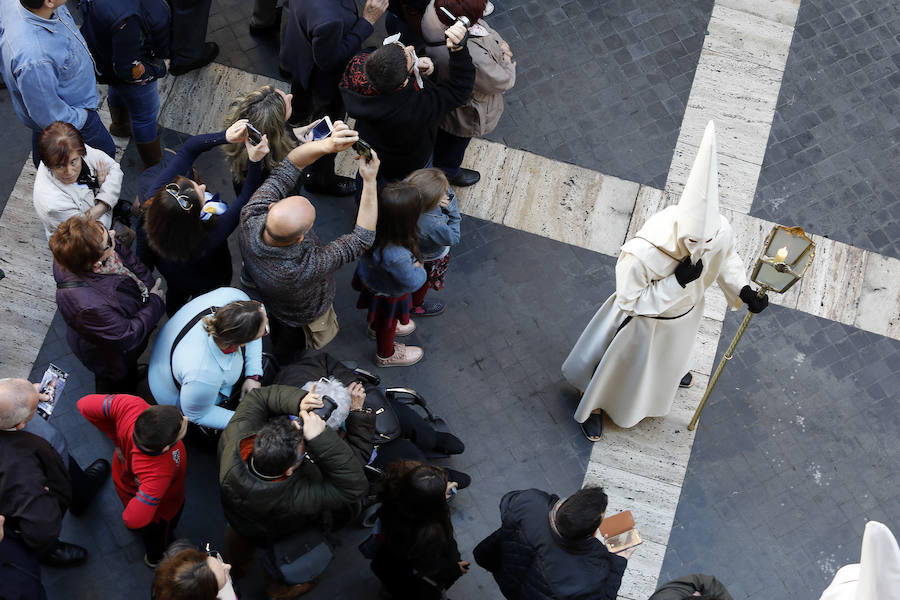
{"points": [[705, 345], [740, 97], [737, 177], [24, 322], [649, 202], [499, 167], [748, 37], [832, 285], [780, 11], [642, 573], [878, 310], [196, 102]]}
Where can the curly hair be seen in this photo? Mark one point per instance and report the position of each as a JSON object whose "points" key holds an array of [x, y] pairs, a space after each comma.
{"points": [[265, 109], [177, 233]]}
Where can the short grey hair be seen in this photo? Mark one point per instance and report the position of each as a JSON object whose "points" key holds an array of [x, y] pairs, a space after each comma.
{"points": [[338, 392], [14, 407]]}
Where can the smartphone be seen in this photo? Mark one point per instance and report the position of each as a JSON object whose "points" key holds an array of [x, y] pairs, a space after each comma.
{"points": [[52, 384], [363, 149], [322, 129], [254, 134], [328, 407]]}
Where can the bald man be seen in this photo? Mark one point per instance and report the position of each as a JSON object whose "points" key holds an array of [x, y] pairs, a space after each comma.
{"points": [[39, 483], [286, 265]]}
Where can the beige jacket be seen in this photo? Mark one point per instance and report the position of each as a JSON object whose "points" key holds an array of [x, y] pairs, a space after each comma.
{"points": [[493, 76]]}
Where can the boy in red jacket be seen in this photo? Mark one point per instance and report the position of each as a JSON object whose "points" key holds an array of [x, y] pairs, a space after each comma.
{"points": [[148, 466]]}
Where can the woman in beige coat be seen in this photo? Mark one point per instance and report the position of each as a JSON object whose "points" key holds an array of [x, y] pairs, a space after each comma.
{"points": [[495, 73]]}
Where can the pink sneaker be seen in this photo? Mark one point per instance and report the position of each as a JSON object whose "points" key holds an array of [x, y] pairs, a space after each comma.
{"points": [[402, 330], [403, 356]]}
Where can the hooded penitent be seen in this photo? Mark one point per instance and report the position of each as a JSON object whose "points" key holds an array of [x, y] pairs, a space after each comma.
{"points": [[876, 576]]}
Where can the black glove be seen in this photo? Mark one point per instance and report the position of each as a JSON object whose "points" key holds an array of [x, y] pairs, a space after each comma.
{"points": [[686, 272], [753, 302]]}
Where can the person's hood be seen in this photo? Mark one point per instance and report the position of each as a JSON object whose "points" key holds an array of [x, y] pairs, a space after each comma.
{"points": [[879, 573], [696, 216]]}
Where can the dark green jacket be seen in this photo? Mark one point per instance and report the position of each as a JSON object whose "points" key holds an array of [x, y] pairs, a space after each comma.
{"points": [[263, 511], [684, 587]]}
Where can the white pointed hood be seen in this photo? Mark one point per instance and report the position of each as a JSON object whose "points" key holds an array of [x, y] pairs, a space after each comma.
{"points": [[879, 572], [696, 216]]}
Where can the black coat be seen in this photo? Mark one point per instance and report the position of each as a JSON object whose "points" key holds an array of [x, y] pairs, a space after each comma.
{"points": [[531, 562], [34, 489], [684, 587], [319, 39], [402, 126]]}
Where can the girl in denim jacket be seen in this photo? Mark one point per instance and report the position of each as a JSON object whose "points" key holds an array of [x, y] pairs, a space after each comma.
{"points": [[438, 231], [389, 272]]}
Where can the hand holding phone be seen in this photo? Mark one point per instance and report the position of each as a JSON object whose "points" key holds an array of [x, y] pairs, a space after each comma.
{"points": [[253, 134], [323, 129], [363, 149], [328, 407]]}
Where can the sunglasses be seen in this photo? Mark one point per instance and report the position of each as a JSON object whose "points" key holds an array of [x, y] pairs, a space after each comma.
{"points": [[109, 240], [183, 201]]}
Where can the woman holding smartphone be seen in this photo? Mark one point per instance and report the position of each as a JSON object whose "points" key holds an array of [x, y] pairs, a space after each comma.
{"points": [[185, 228]]}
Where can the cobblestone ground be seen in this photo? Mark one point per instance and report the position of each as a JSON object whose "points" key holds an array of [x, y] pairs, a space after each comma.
{"points": [[831, 163]]}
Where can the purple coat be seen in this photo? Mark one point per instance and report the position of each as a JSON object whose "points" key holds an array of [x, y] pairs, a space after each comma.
{"points": [[109, 324]]}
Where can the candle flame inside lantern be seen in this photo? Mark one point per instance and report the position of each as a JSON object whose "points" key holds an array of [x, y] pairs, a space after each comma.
{"points": [[781, 255]]}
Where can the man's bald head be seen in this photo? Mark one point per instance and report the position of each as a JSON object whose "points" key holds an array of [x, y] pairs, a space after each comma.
{"points": [[18, 401], [289, 219]]}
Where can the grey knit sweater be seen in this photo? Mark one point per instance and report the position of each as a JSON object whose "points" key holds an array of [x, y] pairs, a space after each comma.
{"points": [[296, 282]]}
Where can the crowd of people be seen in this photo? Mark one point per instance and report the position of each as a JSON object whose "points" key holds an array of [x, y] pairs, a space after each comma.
{"points": [[305, 445]]}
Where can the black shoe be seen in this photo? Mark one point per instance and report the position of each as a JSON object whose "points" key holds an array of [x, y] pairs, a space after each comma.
{"points": [[94, 477], [686, 381], [593, 427], [65, 555], [447, 443], [466, 177], [273, 27], [97, 472], [336, 186], [463, 481], [210, 52]]}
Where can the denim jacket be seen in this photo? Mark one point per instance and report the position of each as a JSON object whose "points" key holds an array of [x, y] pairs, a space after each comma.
{"points": [[390, 272], [46, 66], [439, 229]]}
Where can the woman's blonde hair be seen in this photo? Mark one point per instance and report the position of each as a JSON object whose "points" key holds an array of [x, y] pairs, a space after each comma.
{"points": [[265, 109]]}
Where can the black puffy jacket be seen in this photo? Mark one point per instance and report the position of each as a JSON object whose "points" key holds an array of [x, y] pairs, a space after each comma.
{"points": [[531, 562]]}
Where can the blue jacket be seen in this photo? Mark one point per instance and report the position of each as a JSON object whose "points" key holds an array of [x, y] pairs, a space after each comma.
{"points": [[439, 229], [206, 374], [128, 38], [319, 40], [46, 66], [395, 275]]}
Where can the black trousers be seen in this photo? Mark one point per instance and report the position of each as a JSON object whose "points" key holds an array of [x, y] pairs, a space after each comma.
{"points": [[189, 21], [157, 536], [126, 385], [288, 342], [309, 105], [20, 571], [417, 438]]}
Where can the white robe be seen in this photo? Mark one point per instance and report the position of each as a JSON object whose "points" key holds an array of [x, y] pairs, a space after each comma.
{"points": [[635, 373], [876, 576]]}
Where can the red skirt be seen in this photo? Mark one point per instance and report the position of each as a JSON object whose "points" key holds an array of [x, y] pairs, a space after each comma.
{"points": [[436, 269], [382, 309]]}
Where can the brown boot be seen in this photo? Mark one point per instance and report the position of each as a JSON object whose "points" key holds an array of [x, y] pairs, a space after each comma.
{"points": [[121, 121], [150, 152]]}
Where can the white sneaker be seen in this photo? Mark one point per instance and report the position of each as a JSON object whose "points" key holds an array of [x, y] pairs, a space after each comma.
{"points": [[401, 331], [403, 356]]}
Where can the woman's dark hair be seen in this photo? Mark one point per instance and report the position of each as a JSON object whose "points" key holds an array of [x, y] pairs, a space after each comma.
{"points": [[235, 323], [399, 207], [414, 512], [432, 185], [386, 68], [275, 447], [32, 4], [57, 142], [184, 574], [174, 228], [76, 244], [158, 426], [471, 9], [580, 515]]}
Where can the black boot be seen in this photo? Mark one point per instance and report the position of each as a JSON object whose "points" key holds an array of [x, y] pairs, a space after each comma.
{"points": [[64, 554]]}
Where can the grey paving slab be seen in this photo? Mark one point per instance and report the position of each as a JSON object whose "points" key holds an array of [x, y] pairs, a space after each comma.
{"points": [[490, 369], [602, 85], [830, 165], [795, 451]]}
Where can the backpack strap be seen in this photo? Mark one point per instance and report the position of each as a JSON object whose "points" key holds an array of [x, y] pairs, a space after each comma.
{"points": [[184, 331]]}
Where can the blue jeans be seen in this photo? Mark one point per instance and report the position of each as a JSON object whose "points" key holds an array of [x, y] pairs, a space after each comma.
{"points": [[94, 134], [142, 104]]}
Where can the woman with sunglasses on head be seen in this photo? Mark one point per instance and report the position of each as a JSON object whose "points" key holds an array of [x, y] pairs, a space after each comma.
{"points": [[208, 355], [187, 572], [186, 229], [107, 298]]}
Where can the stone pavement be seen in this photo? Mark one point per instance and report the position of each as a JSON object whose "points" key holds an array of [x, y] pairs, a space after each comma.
{"points": [[537, 443]]}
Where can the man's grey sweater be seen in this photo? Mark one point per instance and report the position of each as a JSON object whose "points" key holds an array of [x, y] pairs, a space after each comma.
{"points": [[297, 281]]}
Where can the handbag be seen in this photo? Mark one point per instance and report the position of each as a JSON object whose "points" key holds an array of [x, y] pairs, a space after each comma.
{"points": [[387, 424], [322, 330], [302, 557]]}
